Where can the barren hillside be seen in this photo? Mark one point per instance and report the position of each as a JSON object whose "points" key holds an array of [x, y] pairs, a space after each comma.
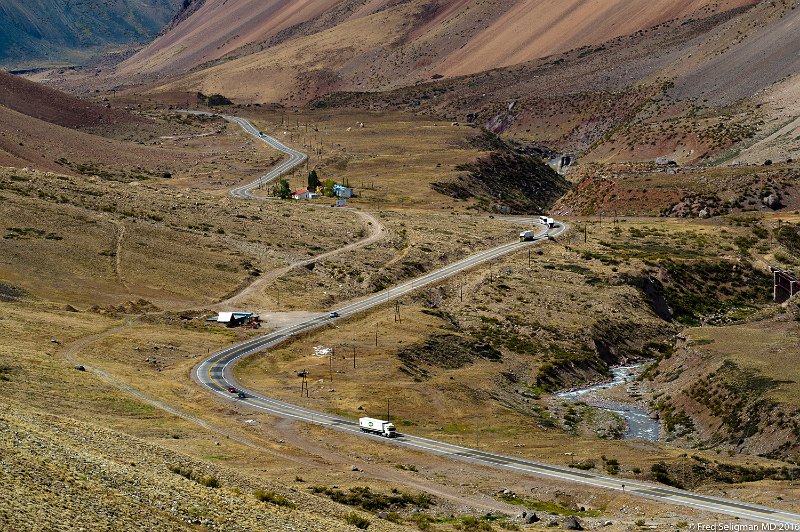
{"points": [[38, 101], [375, 44]]}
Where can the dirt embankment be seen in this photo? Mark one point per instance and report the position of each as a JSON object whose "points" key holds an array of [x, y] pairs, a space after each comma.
{"points": [[724, 403]]}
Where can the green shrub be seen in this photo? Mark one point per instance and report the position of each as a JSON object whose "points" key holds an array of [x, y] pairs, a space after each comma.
{"points": [[356, 520], [394, 517], [661, 474], [209, 481], [366, 499], [273, 498], [218, 99], [473, 523]]}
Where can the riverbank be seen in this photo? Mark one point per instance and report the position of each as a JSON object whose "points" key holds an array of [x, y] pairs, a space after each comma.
{"points": [[612, 397]]}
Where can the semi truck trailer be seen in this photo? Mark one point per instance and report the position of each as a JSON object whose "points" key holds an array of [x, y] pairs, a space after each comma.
{"points": [[377, 426]]}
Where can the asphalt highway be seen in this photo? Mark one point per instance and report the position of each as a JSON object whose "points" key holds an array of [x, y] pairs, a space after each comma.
{"points": [[216, 374], [295, 158]]}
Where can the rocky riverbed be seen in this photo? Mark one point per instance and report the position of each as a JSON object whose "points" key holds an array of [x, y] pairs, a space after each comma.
{"points": [[638, 423]]}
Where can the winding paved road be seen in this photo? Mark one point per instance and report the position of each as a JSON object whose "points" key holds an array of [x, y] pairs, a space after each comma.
{"points": [[295, 158], [216, 374]]}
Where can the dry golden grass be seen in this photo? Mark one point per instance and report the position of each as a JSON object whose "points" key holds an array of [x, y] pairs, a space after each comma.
{"points": [[769, 347], [100, 242], [409, 248], [391, 161], [104, 432], [60, 473]]}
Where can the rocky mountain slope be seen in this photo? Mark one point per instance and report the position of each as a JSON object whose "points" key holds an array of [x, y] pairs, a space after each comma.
{"points": [[378, 44], [47, 32], [614, 81], [672, 90]]}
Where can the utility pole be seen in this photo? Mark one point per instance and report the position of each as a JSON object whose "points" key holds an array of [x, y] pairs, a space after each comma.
{"points": [[387, 410], [330, 364], [376, 334], [354, 356], [304, 383], [397, 311], [529, 258]]}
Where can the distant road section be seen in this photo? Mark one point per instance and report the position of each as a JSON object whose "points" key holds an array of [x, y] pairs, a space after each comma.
{"points": [[216, 374], [295, 159]]}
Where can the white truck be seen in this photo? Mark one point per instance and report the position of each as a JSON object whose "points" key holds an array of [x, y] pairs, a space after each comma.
{"points": [[549, 222], [377, 426], [526, 236]]}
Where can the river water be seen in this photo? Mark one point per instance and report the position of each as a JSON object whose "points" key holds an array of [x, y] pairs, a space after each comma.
{"points": [[638, 423]]}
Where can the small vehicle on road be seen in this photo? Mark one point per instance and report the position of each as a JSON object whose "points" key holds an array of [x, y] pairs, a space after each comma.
{"points": [[334, 314], [231, 389], [242, 395]]}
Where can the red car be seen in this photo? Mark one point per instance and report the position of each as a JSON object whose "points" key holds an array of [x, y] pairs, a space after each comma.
{"points": [[231, 389]]}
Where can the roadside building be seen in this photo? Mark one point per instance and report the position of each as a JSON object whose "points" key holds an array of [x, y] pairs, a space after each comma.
{"points": [[341, 191], [304, 194], [236, 319]]}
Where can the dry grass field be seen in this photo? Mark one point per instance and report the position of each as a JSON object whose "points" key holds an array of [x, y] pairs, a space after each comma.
{"points": [[391, 159], [116, 457], [97, 241], [769, 348]]}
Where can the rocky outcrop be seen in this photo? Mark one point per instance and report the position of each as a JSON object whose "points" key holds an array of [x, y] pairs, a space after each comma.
{"points": [[520, 182]]}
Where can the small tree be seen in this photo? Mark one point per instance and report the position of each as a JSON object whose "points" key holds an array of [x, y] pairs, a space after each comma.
{"points": [[282, 189], [327, 187], [313, 181]]}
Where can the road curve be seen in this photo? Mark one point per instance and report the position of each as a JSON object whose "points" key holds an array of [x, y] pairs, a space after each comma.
{"points": [[216, 374], [295, 159]]}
